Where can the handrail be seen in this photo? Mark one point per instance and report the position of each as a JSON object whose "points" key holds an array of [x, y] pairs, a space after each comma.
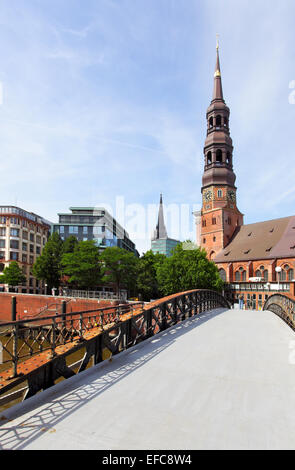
{"points": [[115, 328]]}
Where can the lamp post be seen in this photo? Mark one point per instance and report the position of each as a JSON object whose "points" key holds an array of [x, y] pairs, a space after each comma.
{"points": [[278, 270], [45, 289]]}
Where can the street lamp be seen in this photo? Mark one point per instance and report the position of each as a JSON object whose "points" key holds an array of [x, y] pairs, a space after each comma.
{"points": [[278, 270], [45, 289]]}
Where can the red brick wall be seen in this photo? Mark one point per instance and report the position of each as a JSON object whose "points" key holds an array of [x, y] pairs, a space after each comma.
{"points": [[31, 304]]}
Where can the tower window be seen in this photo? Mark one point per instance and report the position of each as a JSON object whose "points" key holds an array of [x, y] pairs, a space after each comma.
{"points": [[209, 158], [218, 121], [228, 158], [214, 239], [210, 122], [204, 240], [203, 223], [219, 193], [225, 122], [219, 156], [213, 220]]}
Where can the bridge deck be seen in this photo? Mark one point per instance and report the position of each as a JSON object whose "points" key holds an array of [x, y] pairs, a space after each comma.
{"points": [[220, 380]]}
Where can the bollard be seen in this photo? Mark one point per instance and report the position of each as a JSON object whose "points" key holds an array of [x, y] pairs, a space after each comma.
{"points": [[13, 308]]}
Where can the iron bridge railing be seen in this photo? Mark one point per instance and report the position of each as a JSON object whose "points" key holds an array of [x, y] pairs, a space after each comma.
{"points": [[282, 306], [113, 335]]}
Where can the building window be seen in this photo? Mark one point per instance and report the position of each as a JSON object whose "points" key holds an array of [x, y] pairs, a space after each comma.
{"points": [[2, 243], [38, 250], [85, 229], [32, 237], [222, 274], [204, 240], [203, 223], [2, 255], [31, 248], [25, 235], [3, 231], [213, 220], [73, 229], [14, 244], [61, 229], [219, 156], [14, 232], [14, 256], [25, 247], [24, 258], [219, 193], [218, 121]]}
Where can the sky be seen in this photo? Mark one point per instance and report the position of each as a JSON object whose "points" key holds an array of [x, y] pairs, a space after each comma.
{"points": [[105, 100]]}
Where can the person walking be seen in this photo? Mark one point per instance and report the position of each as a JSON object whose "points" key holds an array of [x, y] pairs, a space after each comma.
{"points": [[241, 302]]}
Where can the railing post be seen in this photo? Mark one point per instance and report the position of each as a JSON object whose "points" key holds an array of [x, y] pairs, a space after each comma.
{"points": [[13, 308], [64, 309], [53, 338], [15, 341]]}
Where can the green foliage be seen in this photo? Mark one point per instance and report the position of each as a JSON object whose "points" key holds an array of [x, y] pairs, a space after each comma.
{"points": [[120, 267], [83, 265], [13, 275], [187, 269], [147, 283], [48, 265], [70, 244]]}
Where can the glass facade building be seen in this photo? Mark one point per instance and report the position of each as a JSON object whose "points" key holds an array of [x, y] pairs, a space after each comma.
{"points": [[164, 246], [93, 223], [160, 241]]}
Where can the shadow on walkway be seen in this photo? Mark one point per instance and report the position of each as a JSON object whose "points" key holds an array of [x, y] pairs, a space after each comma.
{"points": [[60, 401]]}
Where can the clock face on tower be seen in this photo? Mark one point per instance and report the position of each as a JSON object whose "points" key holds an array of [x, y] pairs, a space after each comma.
{"points": [[231, 196], [207, 195]]}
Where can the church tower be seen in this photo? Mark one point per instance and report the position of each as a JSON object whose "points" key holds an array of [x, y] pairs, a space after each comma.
{"points": [[219, 215]]}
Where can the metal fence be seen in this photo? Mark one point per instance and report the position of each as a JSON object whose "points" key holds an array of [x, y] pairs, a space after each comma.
{"points": [[113, 333]]}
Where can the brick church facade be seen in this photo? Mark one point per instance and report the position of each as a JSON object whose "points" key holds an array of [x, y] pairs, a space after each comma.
{"points": [[256, 260]]}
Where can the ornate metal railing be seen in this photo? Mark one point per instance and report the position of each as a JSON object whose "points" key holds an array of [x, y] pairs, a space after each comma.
{"points": [[282, 306], [97, 332]]}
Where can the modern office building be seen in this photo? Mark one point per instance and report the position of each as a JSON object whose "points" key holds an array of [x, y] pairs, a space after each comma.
{"points": [[160, 241], [93, 223], [22, 237]]}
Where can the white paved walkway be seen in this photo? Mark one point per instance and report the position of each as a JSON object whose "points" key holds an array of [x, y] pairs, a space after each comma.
{"points": [[219, 381]]}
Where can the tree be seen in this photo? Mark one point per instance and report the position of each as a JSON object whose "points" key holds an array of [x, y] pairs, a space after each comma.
{"points": [[83, 265], [70, 244], [13, 275], [147, 282], [120, 267], [48, 265], [187, 269]]}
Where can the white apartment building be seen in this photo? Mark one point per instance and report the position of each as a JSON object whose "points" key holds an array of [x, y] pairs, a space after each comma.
{"points": [[22, 238]]}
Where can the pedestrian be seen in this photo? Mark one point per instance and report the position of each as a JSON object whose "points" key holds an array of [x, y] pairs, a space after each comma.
{"points": [[241, 302]]}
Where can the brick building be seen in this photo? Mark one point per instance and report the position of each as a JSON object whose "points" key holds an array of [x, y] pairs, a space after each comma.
{"points": [[257, 259]]}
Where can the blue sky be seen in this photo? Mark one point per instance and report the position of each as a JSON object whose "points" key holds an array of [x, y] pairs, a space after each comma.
{"points": [[106, 98]]}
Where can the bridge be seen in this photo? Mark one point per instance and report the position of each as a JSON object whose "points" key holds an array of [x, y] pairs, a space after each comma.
{"points": [[187, 372]]}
